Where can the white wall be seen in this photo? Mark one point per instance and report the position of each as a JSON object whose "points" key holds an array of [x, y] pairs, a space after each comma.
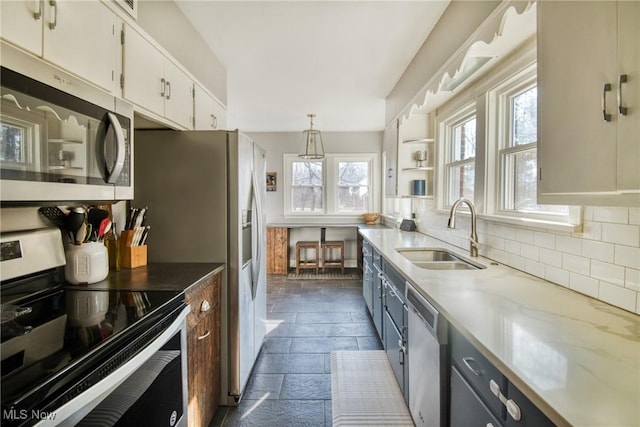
{"points": [[166, 23]]}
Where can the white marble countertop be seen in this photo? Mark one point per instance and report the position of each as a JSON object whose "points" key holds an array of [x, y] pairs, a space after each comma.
{"points": [[576, 358]]}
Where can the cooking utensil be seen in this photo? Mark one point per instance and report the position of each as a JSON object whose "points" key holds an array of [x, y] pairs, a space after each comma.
{"points": [[55, 215], [82, 233], [76, 221], [105, 226]]}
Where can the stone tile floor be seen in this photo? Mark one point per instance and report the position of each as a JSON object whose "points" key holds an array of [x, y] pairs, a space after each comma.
{"points": [[291, 381]]}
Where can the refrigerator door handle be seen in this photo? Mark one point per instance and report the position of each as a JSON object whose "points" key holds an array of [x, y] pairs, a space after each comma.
{"points": [[257, 262]]}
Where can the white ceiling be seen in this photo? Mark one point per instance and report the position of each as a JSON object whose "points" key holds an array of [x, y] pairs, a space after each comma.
{"points": [[337, 59]]}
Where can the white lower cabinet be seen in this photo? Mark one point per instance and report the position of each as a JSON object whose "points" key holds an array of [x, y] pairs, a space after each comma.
{"points": [[153, 82]]}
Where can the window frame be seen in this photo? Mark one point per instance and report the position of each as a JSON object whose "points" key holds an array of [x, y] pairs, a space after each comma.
{"points": [[499, 120], [330, 184], [457, 117]]}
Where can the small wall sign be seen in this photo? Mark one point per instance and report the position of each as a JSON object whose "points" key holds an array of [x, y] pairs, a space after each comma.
{"points": [[272, 181]]}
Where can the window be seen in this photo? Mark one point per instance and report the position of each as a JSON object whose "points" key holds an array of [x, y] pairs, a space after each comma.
{"points": [[307, 182], [460, 142], [17, 141], [353, 186], [516, 115], [335, 185]]}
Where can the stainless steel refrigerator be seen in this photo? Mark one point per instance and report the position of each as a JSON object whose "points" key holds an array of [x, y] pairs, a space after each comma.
{"points": [[205, 192]]}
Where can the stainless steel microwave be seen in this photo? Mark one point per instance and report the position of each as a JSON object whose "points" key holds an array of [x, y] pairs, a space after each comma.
{"points": [[56, 145]]}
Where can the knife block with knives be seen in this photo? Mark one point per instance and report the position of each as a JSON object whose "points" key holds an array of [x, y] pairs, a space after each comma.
{"points": [[131, 256]]}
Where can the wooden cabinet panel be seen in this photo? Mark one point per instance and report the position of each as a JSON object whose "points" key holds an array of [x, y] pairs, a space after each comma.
{"points": [[277, 250], [203, 349]]}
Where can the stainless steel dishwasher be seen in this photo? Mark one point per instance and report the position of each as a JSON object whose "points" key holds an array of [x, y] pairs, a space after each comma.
{"points": [[427, 351]]}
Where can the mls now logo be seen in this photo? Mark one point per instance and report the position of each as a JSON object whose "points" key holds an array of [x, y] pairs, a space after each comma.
{"points": [[24, 414]]}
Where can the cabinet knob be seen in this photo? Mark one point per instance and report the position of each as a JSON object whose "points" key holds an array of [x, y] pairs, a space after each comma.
{"points": [[205, 306]]}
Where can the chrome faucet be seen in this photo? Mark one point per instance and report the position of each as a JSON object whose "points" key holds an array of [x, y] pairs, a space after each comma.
{"points": [[474, 245]]}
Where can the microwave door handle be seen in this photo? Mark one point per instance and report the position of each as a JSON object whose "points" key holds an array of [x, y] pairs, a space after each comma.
{"points": [[120, 144]]}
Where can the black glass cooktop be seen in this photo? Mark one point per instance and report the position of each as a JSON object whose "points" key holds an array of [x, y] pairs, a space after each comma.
{"points": [[54, 338]]}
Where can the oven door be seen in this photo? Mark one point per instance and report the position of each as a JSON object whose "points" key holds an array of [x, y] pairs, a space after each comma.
{"points": [[58, 147], [150, 389]]}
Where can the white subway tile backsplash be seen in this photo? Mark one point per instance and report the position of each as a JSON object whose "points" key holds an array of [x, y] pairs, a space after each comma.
{"points": [[627, 256], [557, 275], [530, 251], [618, 296], [622, 234], [575, 263], [570, 245], [598, 250], [584, 285], [535, 268], [524, 236], [602, 261], [550, 257], [617, 215], [512, 247], [516, 261], [632, 279], [591, 230], [611, 273], [544, 240]]}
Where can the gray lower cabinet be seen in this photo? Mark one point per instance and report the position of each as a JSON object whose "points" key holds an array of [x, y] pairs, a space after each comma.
{"points": [[378, 303], [394, 346], [467, 409], [367, 285], [473, 377]]}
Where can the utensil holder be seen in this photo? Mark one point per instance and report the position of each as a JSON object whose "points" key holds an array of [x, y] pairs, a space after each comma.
{"points": [[131, 256]]}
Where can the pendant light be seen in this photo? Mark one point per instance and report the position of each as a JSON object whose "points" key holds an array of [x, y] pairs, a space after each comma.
{"points": [[312, 140]]}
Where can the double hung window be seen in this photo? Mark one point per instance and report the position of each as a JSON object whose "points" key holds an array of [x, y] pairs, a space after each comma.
{"points": [[460, 142]]}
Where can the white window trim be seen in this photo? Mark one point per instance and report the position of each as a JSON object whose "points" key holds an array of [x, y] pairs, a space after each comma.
{"points": [[452, 119], [330, 185]]}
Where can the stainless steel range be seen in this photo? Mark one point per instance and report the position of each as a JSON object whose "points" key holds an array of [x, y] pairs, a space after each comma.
{"points": [[76, 355]]}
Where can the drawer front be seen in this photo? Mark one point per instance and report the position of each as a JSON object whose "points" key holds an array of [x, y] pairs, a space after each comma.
{"points": [[477, 371], [467, 408], [367, 251], [394, 345], [377, 258], [394, 277], [395, 306], [530, 415]]}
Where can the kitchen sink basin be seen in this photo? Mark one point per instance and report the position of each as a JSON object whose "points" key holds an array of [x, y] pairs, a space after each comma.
{"points": [[437, 259]]}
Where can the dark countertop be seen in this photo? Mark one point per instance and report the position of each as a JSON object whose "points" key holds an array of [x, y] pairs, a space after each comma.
{"points": [[158, 277]]}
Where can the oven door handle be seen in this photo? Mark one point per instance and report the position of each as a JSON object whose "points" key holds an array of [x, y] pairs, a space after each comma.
{"points": [[76, 409], [111, 172]]}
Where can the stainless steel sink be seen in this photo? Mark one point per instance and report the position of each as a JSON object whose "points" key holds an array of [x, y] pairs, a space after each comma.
{"points": [[437, 259]]}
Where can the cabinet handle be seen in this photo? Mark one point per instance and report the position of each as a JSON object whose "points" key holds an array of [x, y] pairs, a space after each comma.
{"points": [[390, 173], [163, 87], [205, 306], [512, 407], [467, 362], [54, 23], [623, 110], [38, 13], [168, 90], [201, 337], [401, 351], [514, 410], [606, 88]]}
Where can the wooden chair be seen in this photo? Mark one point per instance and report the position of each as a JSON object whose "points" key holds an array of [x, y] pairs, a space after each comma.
{"points": [[327, 261], [302, 261]]}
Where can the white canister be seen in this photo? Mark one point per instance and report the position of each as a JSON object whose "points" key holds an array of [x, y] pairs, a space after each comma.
{"points": [[86, 263]]}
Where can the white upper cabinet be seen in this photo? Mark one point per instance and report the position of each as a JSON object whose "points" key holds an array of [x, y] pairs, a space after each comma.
{"points": [[209, 113], [78, 36], [153, 82], [589, 103], [390, 148], [21, 24]]}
